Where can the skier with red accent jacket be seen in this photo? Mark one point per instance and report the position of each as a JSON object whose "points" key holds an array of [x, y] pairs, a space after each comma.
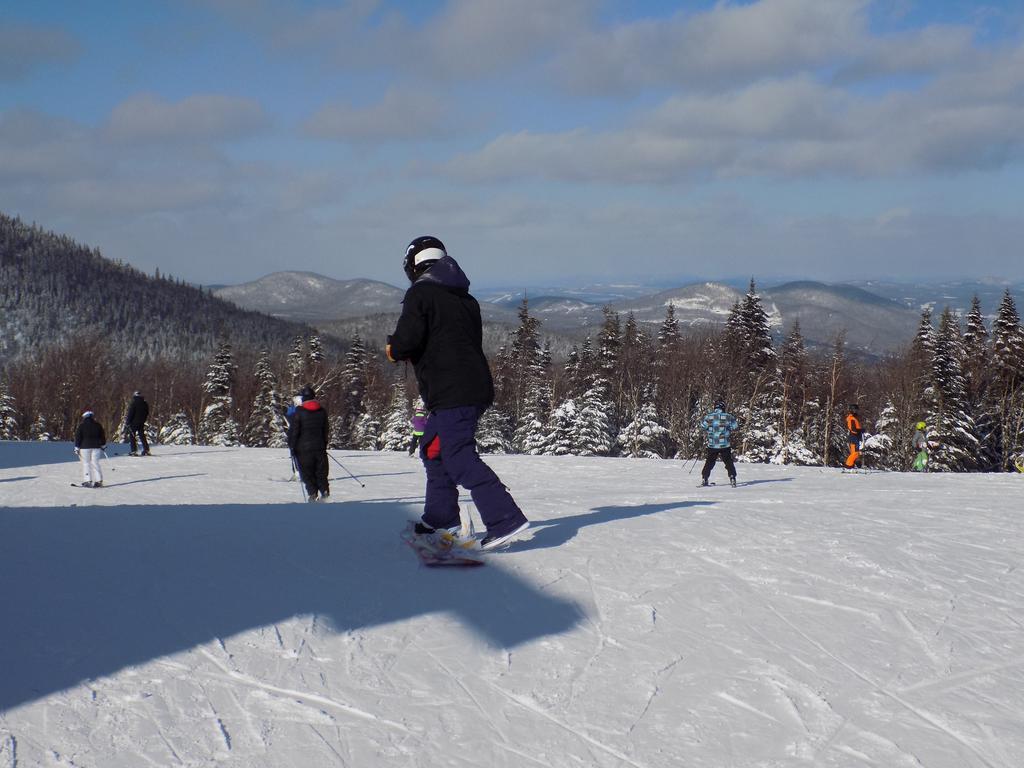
{"points": [[308, 435], [440, 332]]}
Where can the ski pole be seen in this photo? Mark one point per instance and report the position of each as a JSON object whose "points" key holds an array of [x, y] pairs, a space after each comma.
{"points": [[302, 485], [694, 464], [361, 484]]}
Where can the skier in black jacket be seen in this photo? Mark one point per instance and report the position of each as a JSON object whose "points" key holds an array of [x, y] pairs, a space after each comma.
{"points": [[308, 434], [135, 423], [90, 441], [441, 333]]}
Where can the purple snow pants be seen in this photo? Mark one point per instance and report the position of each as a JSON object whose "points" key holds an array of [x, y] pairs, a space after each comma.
{"points": [[448, 450]]}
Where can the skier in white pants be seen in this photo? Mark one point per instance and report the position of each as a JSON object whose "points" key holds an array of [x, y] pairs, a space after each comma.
{"points": [[90, 442]]}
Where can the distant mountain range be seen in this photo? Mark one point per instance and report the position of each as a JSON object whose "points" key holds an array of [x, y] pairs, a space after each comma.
{"points": [[52, 288], [874, 321]]}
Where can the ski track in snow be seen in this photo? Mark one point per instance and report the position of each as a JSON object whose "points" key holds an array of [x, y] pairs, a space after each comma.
{"points": [[807, 618]]}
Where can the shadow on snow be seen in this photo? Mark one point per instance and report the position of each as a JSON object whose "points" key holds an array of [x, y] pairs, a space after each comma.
{"points": [[554, 533], [90, 591]]}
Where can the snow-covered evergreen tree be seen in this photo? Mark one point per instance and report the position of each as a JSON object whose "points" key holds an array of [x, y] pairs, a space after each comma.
{"points": [[492, 432], [354, 382], [396, 430], [217, 425], [177, 431], [316, 351], [266, 427], [793, 368], [366, 431], [297, 364], [564, 429], [526, 386], [40, 430], [952, 436], [644, 436], [879, 448], [594, 435], [1007, 397], [8, 414]]}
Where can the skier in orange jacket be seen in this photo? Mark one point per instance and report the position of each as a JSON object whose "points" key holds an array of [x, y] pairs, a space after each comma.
{"points": [[854, 431]]}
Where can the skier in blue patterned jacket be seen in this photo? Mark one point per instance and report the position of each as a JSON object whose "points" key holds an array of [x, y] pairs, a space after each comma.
{"points": [[719, 425]]}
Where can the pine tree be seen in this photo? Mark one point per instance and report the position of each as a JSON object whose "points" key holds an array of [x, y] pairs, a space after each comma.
{"points": [[756, 330], [594, 434], [953, 435], [177, 431], [793, 367], [266, 427], [564, 429], [297, 364], [316, 351], [978, 370], [879, 449], [492, 432], [396, 429], [354, 383], [523, 370], [40, 430], [8, 414], [1008, 381], [644, 437], [366, 431], [217, 425]]}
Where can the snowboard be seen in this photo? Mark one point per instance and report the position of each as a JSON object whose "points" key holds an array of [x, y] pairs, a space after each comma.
{"points": [[441, 549]]}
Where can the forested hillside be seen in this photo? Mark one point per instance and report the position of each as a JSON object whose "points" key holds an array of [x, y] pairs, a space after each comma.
{"points": [[52, 288]]}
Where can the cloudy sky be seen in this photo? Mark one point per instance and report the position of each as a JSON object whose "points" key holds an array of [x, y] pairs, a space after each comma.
{"points": [[542, 140]]}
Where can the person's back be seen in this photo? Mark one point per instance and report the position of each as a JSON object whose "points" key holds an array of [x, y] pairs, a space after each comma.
{"points": [[854, 430], [135, 424], [308, 436], [440, 332], [138, 411], [90, 441], [719, 426]]}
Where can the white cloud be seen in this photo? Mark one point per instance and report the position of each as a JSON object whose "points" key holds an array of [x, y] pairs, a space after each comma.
{"points": [[399, 115], [730, 43], [202, 118], [784, 128], [25, 48], [736, 43]]}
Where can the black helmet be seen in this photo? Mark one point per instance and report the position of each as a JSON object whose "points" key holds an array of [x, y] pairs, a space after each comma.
{"points": [[307, 393], [720, 404], [422, 253]]}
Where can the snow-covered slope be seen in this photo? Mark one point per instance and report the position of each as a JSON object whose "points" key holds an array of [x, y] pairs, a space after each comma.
{"points": [[309, 296], [194, 613]]}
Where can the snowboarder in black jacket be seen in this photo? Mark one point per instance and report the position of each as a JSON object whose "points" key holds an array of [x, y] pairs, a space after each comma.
{"points": [[441, 333], [135, 423], [308, 435]]}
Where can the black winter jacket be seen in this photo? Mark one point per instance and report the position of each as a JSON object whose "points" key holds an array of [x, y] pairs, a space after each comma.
{"points": [[309, 429], [441, 333], [138, 412], [90, 434]]}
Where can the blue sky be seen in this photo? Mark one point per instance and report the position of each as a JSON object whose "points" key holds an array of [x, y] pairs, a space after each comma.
{"points": [[542, 140]]}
